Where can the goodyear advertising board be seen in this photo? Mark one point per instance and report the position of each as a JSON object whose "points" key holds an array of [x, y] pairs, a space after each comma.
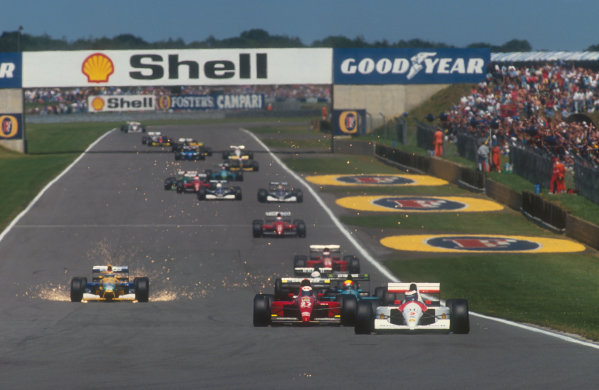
{"points": [[11, 126], [10, 70], [349, 122], [86, 68], [409, 66]]}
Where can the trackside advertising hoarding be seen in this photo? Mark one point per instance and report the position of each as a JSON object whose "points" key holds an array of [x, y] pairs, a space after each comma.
{"points": [[176, 67], [409, 66], [246, 101], [10, 70], [114, 103], [11, 126], [349, 122]]}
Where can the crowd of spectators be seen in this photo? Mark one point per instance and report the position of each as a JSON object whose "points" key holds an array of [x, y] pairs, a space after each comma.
{"points": [[533, 106], [74, 100]]}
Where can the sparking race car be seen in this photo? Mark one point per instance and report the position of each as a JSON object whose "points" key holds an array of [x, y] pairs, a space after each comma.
{"points": [[280, 192], [186, 181], [238, 152], [223, 173], [133, 127], [275, 225], [303, 308], [182, 142], [219, 190], [240, 160], [325, 259], [412, 308], [189, 153], [156, 138], [110, 283]]}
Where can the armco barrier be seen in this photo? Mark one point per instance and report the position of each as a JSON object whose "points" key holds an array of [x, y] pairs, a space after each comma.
{"points": [[548, 212], [582, 231], [503, 194]]}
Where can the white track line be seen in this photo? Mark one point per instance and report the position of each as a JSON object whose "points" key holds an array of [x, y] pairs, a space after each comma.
{"points": [[392, 277], [43, 191]]}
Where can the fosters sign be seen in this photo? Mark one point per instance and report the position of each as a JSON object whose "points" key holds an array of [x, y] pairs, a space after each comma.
{"points": [[176, 67], [409, 66]]}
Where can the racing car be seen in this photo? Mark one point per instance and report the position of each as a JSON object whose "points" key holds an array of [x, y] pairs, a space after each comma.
{"points": [[110, 283], [325, 259], [278, 226], [218, 191], [223, 173], [280, 192], [156, 138], [237, 151], [413, 308], [303, 308], [193, 153], [239, 160], [186, 181], [181, 142], [133, 127]]}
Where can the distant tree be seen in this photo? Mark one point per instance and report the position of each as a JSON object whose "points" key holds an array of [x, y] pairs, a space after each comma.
{"points": [[593, 48], [513, 45]]}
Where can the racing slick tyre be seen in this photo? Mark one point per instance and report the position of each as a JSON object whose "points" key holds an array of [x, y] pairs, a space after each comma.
{"points": [[262, 194], [364, 323], [299, 196], [257, 228], [379, 292], [142, 289], [301, 228], [239, 176], [255, 166], [168, 183], [180, 188], [389, 298], [460, 319], [262, 306], [374, 303], [353, 264], [280, 292], [124, 128], [237, 193], [299, 261], [201, 194], [348, 306], [77, 288]]}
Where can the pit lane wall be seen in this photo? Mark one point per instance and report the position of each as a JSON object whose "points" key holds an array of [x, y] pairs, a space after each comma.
{"points": [[547, 214], [12, 131]]}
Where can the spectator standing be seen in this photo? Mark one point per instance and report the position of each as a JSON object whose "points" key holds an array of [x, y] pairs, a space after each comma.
{"points": [[438, 142], [558, 177], [483, 157], [496, 157]]}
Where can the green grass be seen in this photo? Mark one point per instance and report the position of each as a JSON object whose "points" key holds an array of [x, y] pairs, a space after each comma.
{"points": [[355, 164], [557, 291], [64, 137]]}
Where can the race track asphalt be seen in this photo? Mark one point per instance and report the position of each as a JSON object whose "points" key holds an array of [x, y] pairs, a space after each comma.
{"points": [[204, 268]]}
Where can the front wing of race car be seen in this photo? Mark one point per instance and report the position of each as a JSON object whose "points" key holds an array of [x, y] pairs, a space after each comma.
{"points": [[213, 196], [95, 297], [287, 198], [390, 319]]}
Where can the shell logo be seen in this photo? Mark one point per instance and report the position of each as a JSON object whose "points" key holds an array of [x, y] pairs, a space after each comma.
{"points": [[97, 67], [98, 103]]}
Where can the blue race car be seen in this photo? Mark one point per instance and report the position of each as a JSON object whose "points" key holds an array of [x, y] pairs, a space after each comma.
{"points": [[110, 283], [192, 153]]}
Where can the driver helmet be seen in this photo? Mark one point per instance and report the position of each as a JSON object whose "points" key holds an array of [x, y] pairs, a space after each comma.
{"points": [[306, 291], [219, 185], [279, 217], [315, 274], [109, 268], [411, 295], [280, 187], [348, 284], [326, 252]]}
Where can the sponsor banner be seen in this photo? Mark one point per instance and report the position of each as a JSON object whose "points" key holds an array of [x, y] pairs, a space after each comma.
{"points": [[246, 101], [479, 243], [349, 122], [409, 66], [418, 204], [10, 70], [177, 67], [11, 126], [113, 103], [376, 180]]}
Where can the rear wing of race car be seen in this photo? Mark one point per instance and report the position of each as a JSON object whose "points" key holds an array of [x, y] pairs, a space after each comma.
{"points": [[345, 276], [275, 213], [237, 147], [185, 139], [115, 269], [315, 282], [188, 173], [276, 183], [151, 133], [424, 288]]}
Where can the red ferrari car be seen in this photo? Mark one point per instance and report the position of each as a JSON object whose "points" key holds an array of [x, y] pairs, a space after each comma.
{"points": [[278, 226], [305, 308], [325, 259]]}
